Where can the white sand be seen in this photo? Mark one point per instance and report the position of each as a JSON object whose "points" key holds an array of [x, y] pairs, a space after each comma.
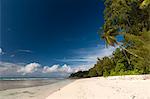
{"points": [[38, 92], [118, 87]]}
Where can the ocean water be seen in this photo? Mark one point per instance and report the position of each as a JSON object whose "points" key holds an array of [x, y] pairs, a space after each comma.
{"points": [[19, 82]]}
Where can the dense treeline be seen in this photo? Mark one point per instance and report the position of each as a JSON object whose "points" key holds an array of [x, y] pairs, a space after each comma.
{"points": [[130, 18]]}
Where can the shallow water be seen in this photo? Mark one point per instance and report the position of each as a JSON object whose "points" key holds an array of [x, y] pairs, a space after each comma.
{"points": [[41, 89], [6, 84]]}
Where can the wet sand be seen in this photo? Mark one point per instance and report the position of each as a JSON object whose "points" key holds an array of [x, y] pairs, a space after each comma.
{"points": [[36, 92], [13, 84]]}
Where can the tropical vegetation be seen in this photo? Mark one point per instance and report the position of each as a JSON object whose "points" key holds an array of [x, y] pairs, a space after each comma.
{"points": [[130, 18]]}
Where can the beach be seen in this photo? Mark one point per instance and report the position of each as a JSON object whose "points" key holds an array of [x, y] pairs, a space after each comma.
{"points": [[31, 89], [113, 87], [116, 87]]}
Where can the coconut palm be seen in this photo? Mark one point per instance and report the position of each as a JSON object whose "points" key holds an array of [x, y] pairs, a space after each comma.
{"points": [[111, 40]]}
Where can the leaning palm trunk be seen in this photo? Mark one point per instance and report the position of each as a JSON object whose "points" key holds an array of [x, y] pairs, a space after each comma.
{"points": [[131, 53], [110, 40], [126, 50], [125, 55]]}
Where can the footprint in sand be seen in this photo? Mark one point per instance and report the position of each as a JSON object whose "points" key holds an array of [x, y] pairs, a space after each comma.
{"points": [[133, 97]]}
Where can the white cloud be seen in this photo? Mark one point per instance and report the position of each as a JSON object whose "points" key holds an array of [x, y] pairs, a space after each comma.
{"points": [[57, 68], [7, 69], [82, 68], [66, 69], [63, 69], [1, 51], [53, 68], [29, 68], [12, 69]]}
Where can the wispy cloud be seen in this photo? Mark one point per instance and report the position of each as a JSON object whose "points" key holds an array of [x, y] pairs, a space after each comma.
{"points": [[88, 56], [13, 54], [23, 50]]}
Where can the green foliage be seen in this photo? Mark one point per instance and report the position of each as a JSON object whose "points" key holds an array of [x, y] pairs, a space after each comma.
{"points": [[92, 73], [119, 67], [126, 16], [79, 74], [132, 19], [106, 73]]}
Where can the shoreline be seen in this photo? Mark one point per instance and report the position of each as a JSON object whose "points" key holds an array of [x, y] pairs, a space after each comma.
{"points": [[16, 84], [36, 92], [113, 87]]}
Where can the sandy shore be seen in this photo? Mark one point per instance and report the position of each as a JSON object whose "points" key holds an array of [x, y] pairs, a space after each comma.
{"points": [[117, 87], [37, 92]]}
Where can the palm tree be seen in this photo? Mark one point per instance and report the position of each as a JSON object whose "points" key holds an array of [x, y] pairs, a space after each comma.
{"points": [[111, 40]]}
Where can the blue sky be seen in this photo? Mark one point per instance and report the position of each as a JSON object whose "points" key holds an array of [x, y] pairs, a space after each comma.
{"points": [[50, 35]]}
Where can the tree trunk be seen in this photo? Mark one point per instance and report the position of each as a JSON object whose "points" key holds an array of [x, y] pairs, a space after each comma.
{"points": [[129, 51], [132, 53], [125, 55]]}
